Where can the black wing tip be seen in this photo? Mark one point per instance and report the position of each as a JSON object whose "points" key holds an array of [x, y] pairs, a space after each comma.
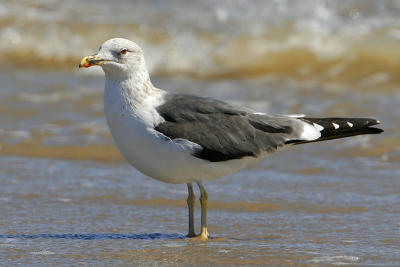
{"points": [[372, 122], [373, 130], [363, 131], [359, 122]]}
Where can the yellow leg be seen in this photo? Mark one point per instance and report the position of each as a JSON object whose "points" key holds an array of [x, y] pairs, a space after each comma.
{"points": [[190, 202], [204, 235]]}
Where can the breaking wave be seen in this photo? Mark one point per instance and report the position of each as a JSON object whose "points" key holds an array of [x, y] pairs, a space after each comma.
{"points": [[319, 39]]}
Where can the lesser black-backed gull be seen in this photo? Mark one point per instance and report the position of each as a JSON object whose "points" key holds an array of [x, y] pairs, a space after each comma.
{"points": [[179, 138]]}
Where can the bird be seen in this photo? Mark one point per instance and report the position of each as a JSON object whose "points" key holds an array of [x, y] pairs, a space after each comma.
{"points": [[187, 139]]}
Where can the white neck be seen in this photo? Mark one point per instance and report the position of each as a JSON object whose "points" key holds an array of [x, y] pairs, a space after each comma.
{"points": [[133, 89], [132, 97]]}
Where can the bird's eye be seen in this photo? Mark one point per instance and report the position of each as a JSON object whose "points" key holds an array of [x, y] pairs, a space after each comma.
{"points": [[123, 51]]}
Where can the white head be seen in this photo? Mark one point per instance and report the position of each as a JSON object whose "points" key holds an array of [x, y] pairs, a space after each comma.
{"points": [[120, 59]]}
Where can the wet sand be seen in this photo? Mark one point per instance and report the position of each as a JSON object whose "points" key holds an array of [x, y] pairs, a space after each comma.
{"points": [[58, 212]]}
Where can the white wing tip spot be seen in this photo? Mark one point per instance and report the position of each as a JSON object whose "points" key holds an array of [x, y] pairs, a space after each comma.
{"points": [[310, 132], [318, 127], [335, 125], [350, 124]]}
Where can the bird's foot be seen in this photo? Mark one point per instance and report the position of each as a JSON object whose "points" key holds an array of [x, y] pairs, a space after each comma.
{"points": [[200, 237], [203, 236], [191, 234]]}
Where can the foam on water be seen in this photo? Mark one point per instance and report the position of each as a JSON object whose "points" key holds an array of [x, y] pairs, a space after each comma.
{"points": [[210, 38], [336, 260], [42, 252]]}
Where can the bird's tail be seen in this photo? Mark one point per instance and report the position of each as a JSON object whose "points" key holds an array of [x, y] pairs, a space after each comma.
{"points": [[334, 128]]}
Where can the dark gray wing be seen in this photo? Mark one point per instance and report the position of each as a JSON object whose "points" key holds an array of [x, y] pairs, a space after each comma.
{"points": [[224, 132]]}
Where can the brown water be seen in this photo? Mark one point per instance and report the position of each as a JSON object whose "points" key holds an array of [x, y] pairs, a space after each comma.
{"points": [[68, 198]]}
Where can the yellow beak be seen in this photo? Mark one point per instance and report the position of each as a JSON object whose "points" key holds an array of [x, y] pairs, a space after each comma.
{"points": [[89, 61]]}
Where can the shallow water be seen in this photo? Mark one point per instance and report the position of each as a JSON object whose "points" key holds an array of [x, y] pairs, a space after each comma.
{"points": [[68, 198], [62, 212]]}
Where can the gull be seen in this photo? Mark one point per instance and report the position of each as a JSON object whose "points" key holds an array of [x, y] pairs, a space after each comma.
{"points": [[186, 139]]}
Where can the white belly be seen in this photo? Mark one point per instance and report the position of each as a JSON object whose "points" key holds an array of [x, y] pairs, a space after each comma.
{"points": [[157, 156]]}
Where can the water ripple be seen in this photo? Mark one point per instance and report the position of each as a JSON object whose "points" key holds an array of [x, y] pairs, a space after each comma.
{"points": [[96, 236]]}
